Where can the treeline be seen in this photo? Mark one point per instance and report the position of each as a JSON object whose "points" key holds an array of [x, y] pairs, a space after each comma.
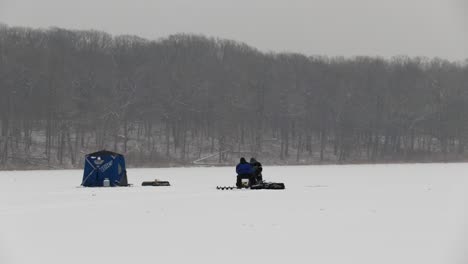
{"points": [[64, 93]]}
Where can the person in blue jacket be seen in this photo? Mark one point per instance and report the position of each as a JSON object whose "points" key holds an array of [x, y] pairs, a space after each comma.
{"points": [[244, 171]]}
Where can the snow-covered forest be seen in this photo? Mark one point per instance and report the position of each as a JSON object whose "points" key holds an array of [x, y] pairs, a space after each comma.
{"points": [[175, 100]]}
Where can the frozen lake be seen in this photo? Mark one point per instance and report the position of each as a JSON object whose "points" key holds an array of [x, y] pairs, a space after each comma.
{"points": [[363, 214]]}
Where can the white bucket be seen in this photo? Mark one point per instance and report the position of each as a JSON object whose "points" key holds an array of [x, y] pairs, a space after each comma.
{"points": [[106, 182], [245, 182]]}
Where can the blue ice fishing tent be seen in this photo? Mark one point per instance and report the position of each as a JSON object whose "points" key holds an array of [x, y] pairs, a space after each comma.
{"points": [[104, 165]]}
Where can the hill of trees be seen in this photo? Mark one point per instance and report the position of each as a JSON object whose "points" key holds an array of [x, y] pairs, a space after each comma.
{"points": [[175, 100]]}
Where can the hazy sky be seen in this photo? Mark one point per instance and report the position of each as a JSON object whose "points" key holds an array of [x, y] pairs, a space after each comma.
{"points": [[325, 27]]}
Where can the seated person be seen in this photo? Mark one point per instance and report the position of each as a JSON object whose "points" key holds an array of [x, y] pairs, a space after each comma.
{"points": [[244, 171], [257, 170]]}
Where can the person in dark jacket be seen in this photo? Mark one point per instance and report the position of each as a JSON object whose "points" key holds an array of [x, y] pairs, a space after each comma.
{"points": [[257, 170], [244, 171]]}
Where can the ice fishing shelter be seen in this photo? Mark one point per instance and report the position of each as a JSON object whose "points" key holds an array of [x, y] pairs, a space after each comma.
{"points": [[103, 165]]}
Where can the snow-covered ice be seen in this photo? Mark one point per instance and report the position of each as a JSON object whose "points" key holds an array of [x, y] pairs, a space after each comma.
{"points": [[363, 214]]}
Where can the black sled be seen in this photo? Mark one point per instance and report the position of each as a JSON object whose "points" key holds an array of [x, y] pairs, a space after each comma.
{"points": [[155, 183], [268, 186]]}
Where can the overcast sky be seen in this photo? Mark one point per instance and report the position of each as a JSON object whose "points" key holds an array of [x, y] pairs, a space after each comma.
{"points": [[313, 27]]}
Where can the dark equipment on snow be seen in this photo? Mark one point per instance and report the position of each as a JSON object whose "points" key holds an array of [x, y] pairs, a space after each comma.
{"points": [[258, 186], [155, 183], [104, 168], [269, 186], [225, 187]]}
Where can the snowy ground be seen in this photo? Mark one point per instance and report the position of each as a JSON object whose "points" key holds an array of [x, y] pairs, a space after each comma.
{"points": [[366, 214]]}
